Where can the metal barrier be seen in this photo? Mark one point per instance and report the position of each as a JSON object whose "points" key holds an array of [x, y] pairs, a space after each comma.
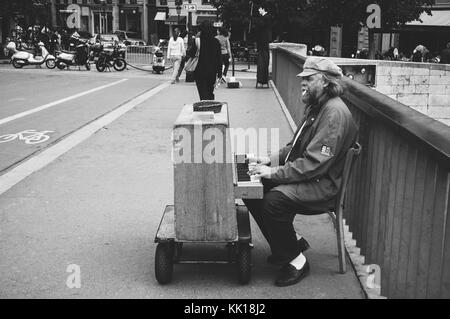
{"points": [[398, 199], [141, 55]]}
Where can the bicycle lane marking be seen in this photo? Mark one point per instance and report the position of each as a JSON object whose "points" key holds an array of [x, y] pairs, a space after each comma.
{"points": [[48, 105], [28, 136], [19, 173]]}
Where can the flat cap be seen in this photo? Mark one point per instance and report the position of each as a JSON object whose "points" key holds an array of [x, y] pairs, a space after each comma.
{"points": [[314, 65]]}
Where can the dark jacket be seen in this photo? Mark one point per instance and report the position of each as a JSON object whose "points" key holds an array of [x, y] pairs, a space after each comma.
{"points": [[312, 174], [263, 32], [210, 59]]}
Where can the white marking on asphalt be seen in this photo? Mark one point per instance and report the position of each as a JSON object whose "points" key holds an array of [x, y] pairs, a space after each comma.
{"points": [[41, 160], [29, 136], [46, 106]]}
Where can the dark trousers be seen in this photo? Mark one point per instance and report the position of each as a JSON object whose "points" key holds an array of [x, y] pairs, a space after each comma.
{"points": [[205, 87], [275, 215], [262, 75], [183, 63], [225, 63]]}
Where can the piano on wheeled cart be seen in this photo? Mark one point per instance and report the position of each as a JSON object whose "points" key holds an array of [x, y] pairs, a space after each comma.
{"points": [[208, 178]]}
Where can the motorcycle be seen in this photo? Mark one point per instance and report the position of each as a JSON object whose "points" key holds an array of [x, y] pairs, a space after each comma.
{"points": [[78, 57], [23, 58], [94, 52], [110, 58]]}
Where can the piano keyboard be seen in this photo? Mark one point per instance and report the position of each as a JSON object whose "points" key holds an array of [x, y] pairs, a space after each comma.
{"points": [[242, 172], [245, 187]]}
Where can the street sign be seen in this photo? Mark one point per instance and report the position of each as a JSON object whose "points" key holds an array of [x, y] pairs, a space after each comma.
{"points": [[218, 24], [190, 7]]}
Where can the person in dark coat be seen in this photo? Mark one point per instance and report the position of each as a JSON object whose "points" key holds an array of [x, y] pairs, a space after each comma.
{"points": [[263, 25], [209, 67], [305, 176], [445, 55]]}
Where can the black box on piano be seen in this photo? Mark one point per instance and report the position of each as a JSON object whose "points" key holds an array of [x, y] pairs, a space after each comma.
{"points": [[233, 85], [208, 106]]}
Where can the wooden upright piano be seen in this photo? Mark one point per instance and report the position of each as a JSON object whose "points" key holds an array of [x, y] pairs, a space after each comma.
{"points": [[208, 178]]}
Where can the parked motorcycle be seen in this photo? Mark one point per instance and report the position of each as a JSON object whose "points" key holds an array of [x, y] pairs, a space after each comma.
{"points": [[110, 58], [23, 58], [94, 52], [78, 57]]}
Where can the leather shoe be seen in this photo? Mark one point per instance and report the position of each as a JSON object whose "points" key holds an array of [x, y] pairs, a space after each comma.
{"points": [[290, 275], [303, 246]]}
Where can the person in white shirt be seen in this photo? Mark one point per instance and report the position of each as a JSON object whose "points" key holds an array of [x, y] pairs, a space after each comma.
{"points": [[175, 52]]}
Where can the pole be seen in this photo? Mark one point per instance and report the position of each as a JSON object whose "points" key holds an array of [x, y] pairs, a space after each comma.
{"points": [[190, 18]]}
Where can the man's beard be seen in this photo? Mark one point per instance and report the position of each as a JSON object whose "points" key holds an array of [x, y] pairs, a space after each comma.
{"points": [[308, 98]]}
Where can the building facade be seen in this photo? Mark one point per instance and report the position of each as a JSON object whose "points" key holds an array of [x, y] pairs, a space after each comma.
{"points": [[185, 15], [150, 20]]}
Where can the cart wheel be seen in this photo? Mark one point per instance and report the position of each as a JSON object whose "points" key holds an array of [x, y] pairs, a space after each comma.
{"points": [[164, 263], [244, 263]]}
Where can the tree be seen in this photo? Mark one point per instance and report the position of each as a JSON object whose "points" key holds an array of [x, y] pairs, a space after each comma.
{"points": [[299, 15], [394, 13]]}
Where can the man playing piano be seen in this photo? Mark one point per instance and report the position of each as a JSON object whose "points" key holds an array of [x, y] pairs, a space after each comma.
{"points": [[304, 177]]}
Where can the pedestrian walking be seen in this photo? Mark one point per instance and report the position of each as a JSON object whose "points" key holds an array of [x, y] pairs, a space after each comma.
{"points": [[225, 49], [185, 36], [445, 55], [175, 52], [305, 176], [209, 66], [263, 25]]}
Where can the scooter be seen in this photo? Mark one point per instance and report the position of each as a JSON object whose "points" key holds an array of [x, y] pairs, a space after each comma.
{"points": [[77, 58], [23, 58], [110, 58], [159, 64]]}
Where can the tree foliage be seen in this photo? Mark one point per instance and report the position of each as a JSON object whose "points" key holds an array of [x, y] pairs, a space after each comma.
{"points": [[324, 13]]}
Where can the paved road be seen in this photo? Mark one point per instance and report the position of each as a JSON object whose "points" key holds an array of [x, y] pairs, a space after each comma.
{"points": [[98, 205], [57, 103]]}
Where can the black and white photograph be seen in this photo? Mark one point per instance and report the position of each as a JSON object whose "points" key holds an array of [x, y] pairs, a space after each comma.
{"points": [[220, 156]]}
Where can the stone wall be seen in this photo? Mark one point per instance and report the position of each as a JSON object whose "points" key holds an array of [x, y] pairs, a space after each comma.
{"points": [[423, 86]]}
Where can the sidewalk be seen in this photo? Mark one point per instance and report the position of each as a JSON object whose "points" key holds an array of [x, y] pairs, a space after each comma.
{"points": [[100, 204]]}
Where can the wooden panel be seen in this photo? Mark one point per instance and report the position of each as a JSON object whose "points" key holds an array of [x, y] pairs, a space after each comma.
{"points": [[367, 194], [388, 242], [249, 190], [416, 216], [445, 291], [426, 229], [440, 218], [407, 209], [383, 200], [376, 187], [396, 233], [363, 173], [203, 189]]}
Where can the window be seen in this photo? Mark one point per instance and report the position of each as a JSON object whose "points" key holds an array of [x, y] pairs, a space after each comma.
{"points": [[163, 2]]}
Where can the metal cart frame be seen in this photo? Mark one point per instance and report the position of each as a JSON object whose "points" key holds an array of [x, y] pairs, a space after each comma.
{"points": [[169, 249]]}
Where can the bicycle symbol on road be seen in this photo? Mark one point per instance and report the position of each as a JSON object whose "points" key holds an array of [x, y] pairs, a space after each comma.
{"points": [[29, 136]]}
